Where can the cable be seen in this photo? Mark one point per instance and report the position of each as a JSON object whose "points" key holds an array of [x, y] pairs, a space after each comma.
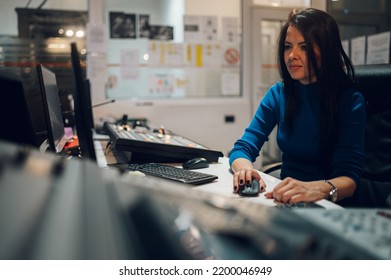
{"points": [[41, 5], [28, 3]]}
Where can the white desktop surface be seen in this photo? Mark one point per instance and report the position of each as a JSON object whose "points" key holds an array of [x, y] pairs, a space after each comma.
{"points": [[223, 186]]}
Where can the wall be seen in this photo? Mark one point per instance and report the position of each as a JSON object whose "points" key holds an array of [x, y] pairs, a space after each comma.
{"points": [[200, 120]]}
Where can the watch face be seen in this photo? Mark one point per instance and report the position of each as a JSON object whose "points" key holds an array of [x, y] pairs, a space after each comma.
{"points": [[333, 192], [333, 195]]}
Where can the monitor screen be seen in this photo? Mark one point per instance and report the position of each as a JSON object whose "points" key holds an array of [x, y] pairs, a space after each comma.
{"points": [[52, 108], [82, 107], [16, 124]]}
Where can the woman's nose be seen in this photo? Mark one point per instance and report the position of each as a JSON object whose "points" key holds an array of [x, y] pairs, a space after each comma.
{"points": [[293, 53]]}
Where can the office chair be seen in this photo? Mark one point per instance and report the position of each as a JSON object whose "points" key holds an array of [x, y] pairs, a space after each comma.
{"points": [[375, 185], [272, 169]]}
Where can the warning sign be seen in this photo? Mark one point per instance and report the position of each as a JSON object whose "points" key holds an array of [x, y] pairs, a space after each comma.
{"points": [[231, 56]]}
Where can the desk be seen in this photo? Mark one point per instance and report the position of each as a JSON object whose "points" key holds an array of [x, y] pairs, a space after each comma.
{"points": [[135, 217], [147, 218], [223, 185]]}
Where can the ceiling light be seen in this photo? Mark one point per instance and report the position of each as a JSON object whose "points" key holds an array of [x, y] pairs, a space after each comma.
{"points": [[69, 33], [80, 33]]}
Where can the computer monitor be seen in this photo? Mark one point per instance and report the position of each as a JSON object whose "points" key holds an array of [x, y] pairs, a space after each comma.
{"points": [[52, 108], [82, 107], [16, 124], [90, 115]]}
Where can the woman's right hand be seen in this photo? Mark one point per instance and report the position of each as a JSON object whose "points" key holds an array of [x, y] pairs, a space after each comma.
{"points": [[245, 177], [244, 173]]}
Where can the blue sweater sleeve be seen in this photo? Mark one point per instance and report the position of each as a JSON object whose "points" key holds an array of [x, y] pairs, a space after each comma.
{"points": [[262, 124], [348, 156]]}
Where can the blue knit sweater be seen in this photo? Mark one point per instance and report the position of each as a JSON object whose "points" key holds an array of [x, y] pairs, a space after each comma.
{"points": [[300, 150]]}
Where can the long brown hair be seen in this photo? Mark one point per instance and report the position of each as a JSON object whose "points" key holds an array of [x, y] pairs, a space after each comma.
{"points": [[333, 74]]}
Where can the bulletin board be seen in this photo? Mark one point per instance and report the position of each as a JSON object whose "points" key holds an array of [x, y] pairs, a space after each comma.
{"points": [[145, 60]]}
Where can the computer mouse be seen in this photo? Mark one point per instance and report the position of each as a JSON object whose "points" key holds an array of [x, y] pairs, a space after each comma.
{"points": [[249, 190], [196, 163]]}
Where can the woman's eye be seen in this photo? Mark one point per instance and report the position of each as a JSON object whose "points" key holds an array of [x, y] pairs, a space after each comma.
{"points": [[303, 47], [287, 47]]}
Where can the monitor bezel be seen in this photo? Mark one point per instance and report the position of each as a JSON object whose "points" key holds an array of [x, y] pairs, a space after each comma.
{"points": [[82, 107], [55, 130]]}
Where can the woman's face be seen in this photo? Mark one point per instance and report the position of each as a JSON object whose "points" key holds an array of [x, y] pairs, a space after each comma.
{"points": [[295, 56]]}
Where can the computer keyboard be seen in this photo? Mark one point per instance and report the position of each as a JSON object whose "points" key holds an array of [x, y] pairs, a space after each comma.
{"points": [[298, 205], [169, 172]]}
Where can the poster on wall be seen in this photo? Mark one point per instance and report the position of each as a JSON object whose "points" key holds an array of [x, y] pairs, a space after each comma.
{"points": [[378, 50], [345, 46], [122, 26], [129, 64], [192, 27], [358, 50], [161, 32], [144, 27], [231, 55], [230, 30], [200, 29], [210, 28], [230, 83], [96, 38], [160, 84]]}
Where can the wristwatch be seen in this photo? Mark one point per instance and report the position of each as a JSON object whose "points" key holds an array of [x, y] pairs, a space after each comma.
{"points": [[333, 194]]}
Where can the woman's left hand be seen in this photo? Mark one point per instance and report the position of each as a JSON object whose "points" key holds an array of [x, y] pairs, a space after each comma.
{"points": [[291, 191]]}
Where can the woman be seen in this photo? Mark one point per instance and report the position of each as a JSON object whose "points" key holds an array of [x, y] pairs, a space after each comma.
{"points": [[319, 114]]}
